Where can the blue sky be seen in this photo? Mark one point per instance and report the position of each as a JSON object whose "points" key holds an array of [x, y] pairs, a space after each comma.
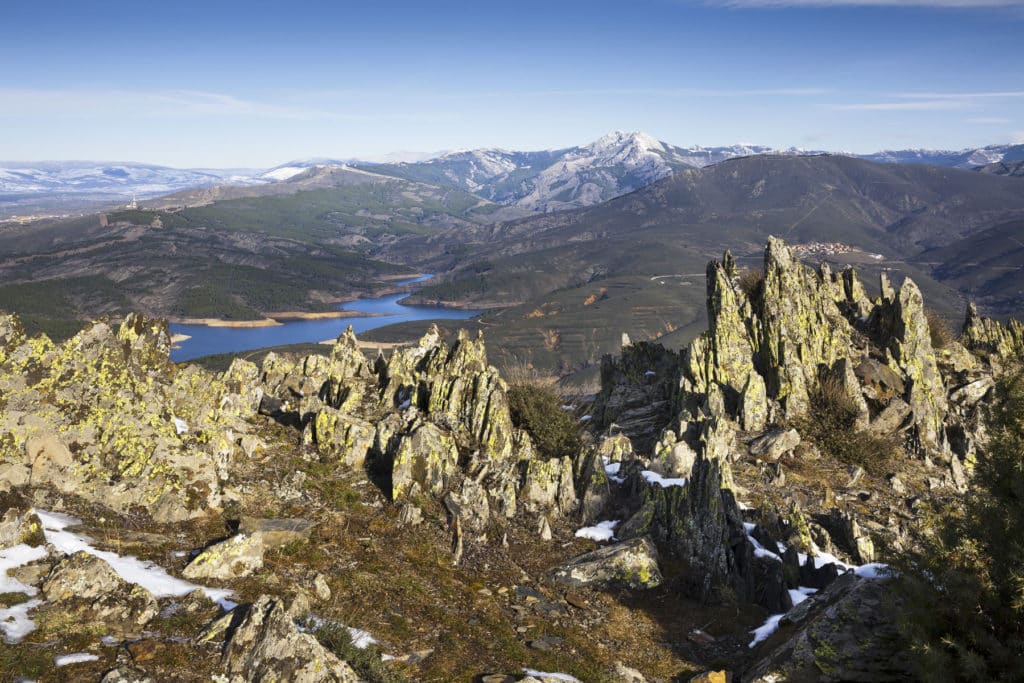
{"points": [[233, 84]]}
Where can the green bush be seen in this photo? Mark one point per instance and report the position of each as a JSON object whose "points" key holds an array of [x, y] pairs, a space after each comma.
{"points": [[537, 408], [964, 581], [750, 281]]}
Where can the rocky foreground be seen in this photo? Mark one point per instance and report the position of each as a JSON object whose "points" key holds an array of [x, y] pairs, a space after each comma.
{"points": [[339, 518]]}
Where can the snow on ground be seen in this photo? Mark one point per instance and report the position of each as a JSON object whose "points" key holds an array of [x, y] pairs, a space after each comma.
{"points": [[75, 658], [15, 622], [553, 676], [152, 577], [602, 531], [664, 482], [180, 426]]}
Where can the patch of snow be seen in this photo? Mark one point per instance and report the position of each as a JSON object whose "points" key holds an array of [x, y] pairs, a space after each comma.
{"points": [[360, 638], [797, 596], [554, 676], [283, 173], [15, 623], [586, 418], [75, 658], [110, 641], [612, 470], [602, 531], [17, 556], [874, 570], [180, 426], [759, 550], [150, 576], [765, 630], [568, 407], [650, 373], [664, 482]]}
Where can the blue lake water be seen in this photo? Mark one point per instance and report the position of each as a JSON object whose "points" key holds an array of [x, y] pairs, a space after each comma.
{"points": [[386, 309]]}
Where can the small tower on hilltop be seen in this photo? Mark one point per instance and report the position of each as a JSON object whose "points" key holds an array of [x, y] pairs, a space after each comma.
{"points": [[132, 205]]}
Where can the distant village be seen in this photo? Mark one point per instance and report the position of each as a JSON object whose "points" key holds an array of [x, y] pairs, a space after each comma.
{"points": [[821, 250]]}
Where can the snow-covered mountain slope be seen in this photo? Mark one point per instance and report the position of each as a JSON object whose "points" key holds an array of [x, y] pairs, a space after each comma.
{"points": [[964, 158], [107, 178], [552, 180]]}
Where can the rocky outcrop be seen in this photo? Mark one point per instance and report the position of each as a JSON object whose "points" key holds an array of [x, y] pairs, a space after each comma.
{"points": [[107, 416], [267, 646], [638, 392], [992, 338]]}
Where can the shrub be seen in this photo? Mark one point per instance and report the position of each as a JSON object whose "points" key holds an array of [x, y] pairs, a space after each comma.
{"points": [[964, 581], [537, 408], [831, 425], [939, 329], [365, 661], [750, 281]]}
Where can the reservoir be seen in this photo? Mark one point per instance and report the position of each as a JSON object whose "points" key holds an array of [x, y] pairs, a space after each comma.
{"points": [[385, 310]]}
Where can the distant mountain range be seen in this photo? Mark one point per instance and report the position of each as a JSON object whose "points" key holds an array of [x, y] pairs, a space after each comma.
{"points": [[532, 182]]}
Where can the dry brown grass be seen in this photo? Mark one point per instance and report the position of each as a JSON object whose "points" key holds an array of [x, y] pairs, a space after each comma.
{"points": [[831, 426]]}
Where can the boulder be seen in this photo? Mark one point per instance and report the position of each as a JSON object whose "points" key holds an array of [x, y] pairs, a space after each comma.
{"points": [[266, 646], [241, 555], [87, 590], [275, 533], [632, 563], [847, 632], [774, 444]]}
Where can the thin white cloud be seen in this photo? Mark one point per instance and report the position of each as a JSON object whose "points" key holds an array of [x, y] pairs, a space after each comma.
{"points": [[987, 119], [919, 105], [154, 103], [655, 92], [1018, 137], [960, 95], [956, 4]]}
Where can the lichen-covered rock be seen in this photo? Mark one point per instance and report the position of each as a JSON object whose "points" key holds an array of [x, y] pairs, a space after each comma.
{"points": [[424, 461], [632, 563], [992, 338], [342, 437], [847, 632], [267, 646], [107, 416], [239, 556], [85, 589], [911, 348], [802, 327], [774, 444], [698, 524], [548, 486], [20, 526], [592, 487]]}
